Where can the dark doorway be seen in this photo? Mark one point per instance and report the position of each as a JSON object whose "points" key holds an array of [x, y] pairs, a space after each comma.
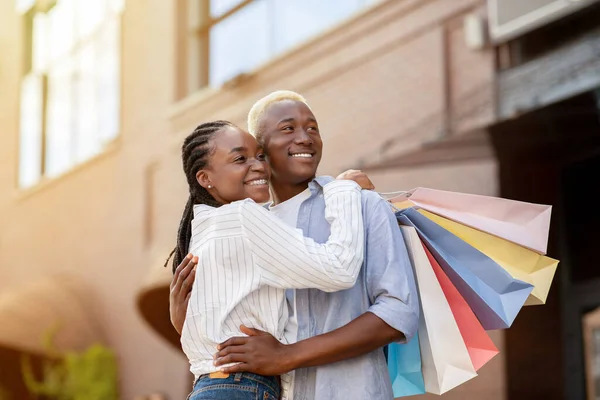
{"points": [[552, 156]]}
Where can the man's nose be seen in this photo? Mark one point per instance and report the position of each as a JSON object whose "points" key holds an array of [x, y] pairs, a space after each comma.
{"points": [[302, 137]]}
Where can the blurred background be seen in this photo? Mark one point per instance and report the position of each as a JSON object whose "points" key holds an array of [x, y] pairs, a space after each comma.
{"points": [[498, 97]]}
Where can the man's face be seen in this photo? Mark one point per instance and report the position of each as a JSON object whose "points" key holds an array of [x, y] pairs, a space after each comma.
{"points": [[292, 141]]}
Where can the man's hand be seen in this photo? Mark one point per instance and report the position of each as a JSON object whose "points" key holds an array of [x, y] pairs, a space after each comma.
{"points": [[259, 353], [181, 290], [357, 176]]}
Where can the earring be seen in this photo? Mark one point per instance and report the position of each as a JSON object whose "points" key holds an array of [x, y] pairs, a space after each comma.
{"points": [[210, 186]]}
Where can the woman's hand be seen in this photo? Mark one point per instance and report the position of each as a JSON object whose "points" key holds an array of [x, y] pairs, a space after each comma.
{"points": [[357, 176], [181, 290]]}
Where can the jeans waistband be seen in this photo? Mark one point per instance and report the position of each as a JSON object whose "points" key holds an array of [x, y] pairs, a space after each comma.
{"points": [[272, 381]]}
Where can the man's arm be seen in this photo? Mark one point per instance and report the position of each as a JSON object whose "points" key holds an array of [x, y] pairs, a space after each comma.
{"points": [[262, 354], [393, 315], [364, 334], [390, 279]]}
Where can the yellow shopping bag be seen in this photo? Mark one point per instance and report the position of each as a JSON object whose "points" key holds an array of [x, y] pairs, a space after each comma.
{"points": [[520, 262]]}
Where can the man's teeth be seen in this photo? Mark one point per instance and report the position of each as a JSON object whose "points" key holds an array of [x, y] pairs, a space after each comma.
{"points": [[302, 155], [258, 182]]}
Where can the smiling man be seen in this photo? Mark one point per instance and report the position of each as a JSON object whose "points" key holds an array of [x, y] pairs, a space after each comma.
{"points": [[338, 353]]}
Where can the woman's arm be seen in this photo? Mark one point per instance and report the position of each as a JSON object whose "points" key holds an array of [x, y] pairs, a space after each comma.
{"points": [[331, 266], [180, 291], [288, 259]]}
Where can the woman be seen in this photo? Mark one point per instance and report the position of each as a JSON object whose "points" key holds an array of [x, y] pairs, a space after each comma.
{"points": [[248, 257]]}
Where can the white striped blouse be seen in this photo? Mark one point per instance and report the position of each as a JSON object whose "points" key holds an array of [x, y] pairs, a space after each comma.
{"points": [[248, 257]]}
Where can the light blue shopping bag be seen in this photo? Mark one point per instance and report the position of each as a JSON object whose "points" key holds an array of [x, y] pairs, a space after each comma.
{"points": [[404, 366], [494, 296]]}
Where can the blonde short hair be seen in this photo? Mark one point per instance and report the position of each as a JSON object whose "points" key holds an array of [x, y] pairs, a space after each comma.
{"points": [[259, 108]]}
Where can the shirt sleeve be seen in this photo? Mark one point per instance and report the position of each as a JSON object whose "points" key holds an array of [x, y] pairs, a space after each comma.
{"points": [[390, 281], [287, 259]]}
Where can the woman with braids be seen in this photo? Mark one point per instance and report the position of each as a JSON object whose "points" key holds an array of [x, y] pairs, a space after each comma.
{"points": [[247, 257]]}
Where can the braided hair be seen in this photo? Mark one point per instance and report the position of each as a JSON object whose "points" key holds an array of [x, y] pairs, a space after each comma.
{"points": [[194, 154]]}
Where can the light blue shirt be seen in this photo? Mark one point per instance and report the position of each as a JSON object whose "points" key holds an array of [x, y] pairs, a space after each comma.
{"points": [[385, 287]]}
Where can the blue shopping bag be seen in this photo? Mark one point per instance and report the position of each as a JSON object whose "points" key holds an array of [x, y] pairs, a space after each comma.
{"points": [[494, 296], [404, 366]]}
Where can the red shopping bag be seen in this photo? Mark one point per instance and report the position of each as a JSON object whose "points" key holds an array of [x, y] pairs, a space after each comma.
{"points": [[480, 346]]}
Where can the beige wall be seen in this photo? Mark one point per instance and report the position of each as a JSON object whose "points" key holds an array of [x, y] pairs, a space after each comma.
{"points": [[378, 77]]}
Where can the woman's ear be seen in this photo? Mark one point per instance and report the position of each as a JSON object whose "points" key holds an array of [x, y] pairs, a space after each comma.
{"points": [[203, 179]]}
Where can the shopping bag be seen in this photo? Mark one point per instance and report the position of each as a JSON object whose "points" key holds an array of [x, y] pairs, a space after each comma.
{"points": [[480, 346], [404, 366], [445, 359], [523, 223], [520, 262], [494, 296]]}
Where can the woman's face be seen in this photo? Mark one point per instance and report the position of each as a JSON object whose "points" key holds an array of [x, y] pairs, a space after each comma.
{"points": [[236, 168]]}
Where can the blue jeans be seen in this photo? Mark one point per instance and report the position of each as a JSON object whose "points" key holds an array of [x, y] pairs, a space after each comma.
{"points": [[239, 386]]}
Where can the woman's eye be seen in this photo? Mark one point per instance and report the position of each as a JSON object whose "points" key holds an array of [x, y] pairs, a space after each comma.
{"points": [[287, 128], [313, 128], [240, 159]]}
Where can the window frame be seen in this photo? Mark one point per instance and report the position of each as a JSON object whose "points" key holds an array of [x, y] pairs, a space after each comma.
{"points": [[193, 54], [114, 15], [193, 57]]}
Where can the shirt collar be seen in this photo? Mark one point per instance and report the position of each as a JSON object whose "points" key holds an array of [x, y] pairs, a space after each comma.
{"points": [[316, 185]]}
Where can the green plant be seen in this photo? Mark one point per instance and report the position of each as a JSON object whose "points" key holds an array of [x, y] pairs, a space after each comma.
{"points": [[89, 375]]}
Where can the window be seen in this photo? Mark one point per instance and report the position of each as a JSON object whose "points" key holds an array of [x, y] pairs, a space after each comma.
{"points": [[70, 92], [226, 38]]}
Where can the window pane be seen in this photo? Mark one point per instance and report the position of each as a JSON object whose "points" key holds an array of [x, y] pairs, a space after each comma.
{"points": [[86, 142], [22, 6], [76, 44], [220, 7], [61, 19], [40, 43], [59, 123], [89, 16], [30, 146], [298, 20], [108, 80], [116, 6], [239, 43]]}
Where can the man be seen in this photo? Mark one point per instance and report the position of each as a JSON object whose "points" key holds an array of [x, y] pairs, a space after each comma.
{"points": [[340, 335]]}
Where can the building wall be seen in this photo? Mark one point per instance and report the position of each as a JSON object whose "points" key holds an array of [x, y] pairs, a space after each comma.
{"points": [[384, 81]]}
